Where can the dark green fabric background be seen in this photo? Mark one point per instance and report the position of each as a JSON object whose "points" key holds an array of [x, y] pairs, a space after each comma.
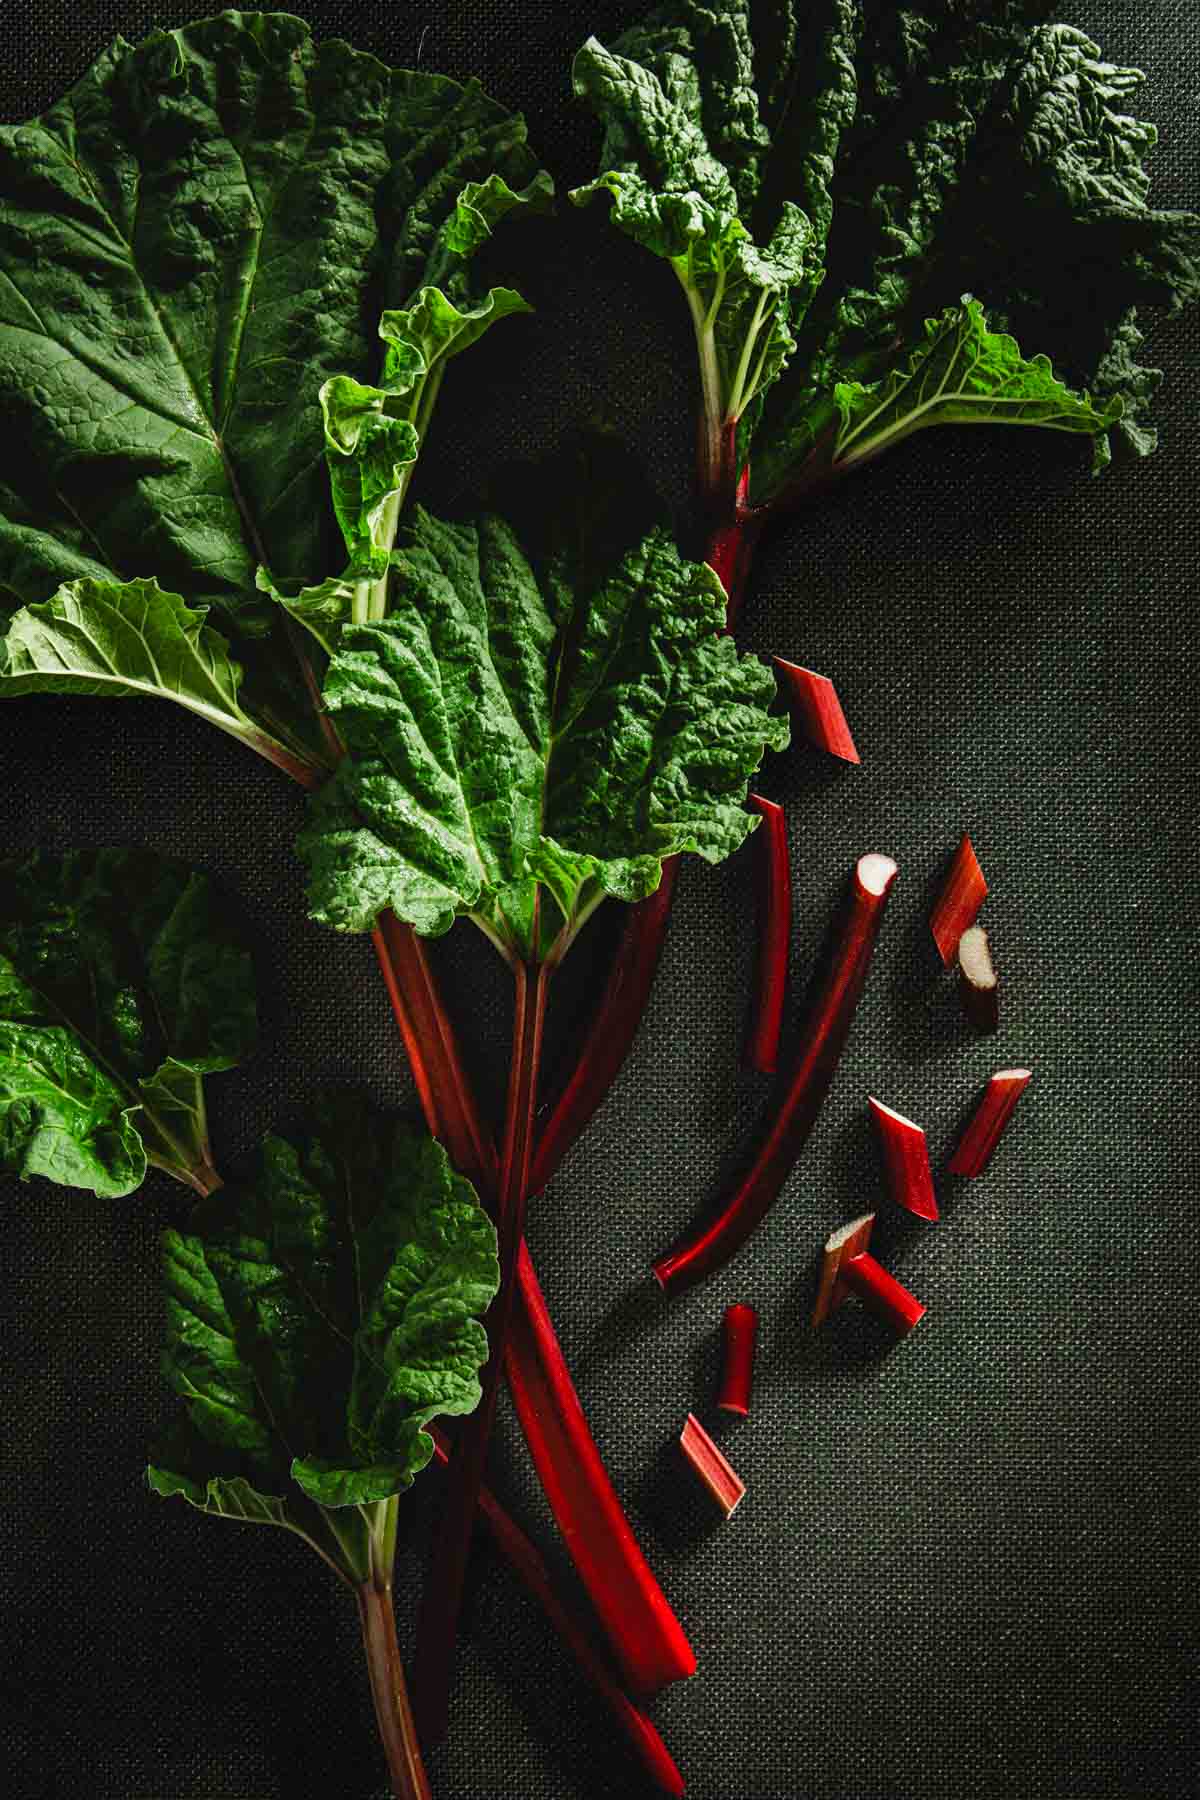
{"points": [[965, 1568]]}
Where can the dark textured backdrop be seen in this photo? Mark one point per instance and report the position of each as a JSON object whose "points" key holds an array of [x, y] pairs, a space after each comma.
{"points": [[964, 1568]]}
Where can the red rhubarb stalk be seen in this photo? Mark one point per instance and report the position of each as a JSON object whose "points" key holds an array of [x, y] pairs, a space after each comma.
{"points": [[737, 1374], [906, 1160], [441, 1602], [849, 1267], [646, 1637], [613, 1028], [774, 935], [731, 547], [978, 988], [526, 1562], [701, 1454], [958, 904], [809, 1082], [992, 1115], [816, 709]]}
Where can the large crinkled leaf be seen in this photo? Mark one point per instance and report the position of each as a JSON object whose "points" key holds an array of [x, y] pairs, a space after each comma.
{"points": [[131, 640], [963, 374], [571, 727], [193, 241], [932, 150], [322, 1314], [125, 978]]}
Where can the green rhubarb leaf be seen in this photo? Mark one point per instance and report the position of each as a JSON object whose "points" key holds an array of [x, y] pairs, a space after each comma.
{"points": [[125, 979], [326, 1310], [125, 640], [963, 374], [570, 726], [193, 242]]}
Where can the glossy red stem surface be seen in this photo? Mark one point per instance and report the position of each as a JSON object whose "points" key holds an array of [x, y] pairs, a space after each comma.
{"points": [[441, 1602], [711, 1466], [526, 1562], [774, 935], [957, 906], [816, 710], [979, 1140], [740, 1328], [882, 1293], [906, 1160], [808, 1083]]}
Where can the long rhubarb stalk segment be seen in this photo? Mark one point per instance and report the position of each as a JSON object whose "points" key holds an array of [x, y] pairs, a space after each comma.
{"points": [[526, 1562], [645, 1635], [816, 1063], [646, 1638], [737, 1374], [731, 547], [441, 1602], [906, 1160], [774, 935], [613, 1028], [957, 906], [702, 1455], [982, 1135], [816, 709]]}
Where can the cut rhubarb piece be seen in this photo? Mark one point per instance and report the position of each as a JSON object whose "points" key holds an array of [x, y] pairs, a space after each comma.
{"points": [[816, 1063], [526, 1562], [741, 1334], [906, 1159], [957, 907], [727, 1488], [978, 987], [849, 1267], [774, 935], [816, 709], [992, 1115]]}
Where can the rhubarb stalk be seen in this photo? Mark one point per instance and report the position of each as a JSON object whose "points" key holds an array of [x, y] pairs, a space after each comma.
{"points": [[774, 935], [849, 1267], [711, 1467], [393, 1712], [957, 906], [906, 1160], [816, 709], [817, 1059], [978, 988], [994, 1111], [741, 1334]]}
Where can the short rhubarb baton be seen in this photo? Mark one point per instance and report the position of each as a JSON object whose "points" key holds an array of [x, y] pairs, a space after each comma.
{"points": [[906, 1159], [816, 709], [850, 1268], [741, 1335], [963, 893], [982, 1135], [817, 1059], [726, 1487], [978, 987]]}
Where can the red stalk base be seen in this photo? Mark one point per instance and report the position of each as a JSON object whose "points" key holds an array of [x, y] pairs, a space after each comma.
{"points": [[906, 1159], [808, 1084], [958, 904], [701, 1454], [774, 936], [816, 709], [741, 1335], [526, 1562], [982, 1135]]}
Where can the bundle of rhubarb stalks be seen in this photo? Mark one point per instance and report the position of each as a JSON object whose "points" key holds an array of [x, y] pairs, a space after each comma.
{"points": [[238, 264]]}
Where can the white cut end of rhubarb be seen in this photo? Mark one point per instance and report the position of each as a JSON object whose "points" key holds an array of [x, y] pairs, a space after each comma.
{"points": [[1011, 1075], [723, 1483], [975, 958], [891, 1112], [876, 872], [840, 1238]]}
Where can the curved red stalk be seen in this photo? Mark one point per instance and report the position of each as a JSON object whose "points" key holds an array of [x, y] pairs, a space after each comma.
{"points": [[906, 1159], [741, 1335], [963, 893], [613, 1028], [646, 1636], [526, 1561], [816, 709], [817, 1059], [774, 935], [991, 1116]]}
